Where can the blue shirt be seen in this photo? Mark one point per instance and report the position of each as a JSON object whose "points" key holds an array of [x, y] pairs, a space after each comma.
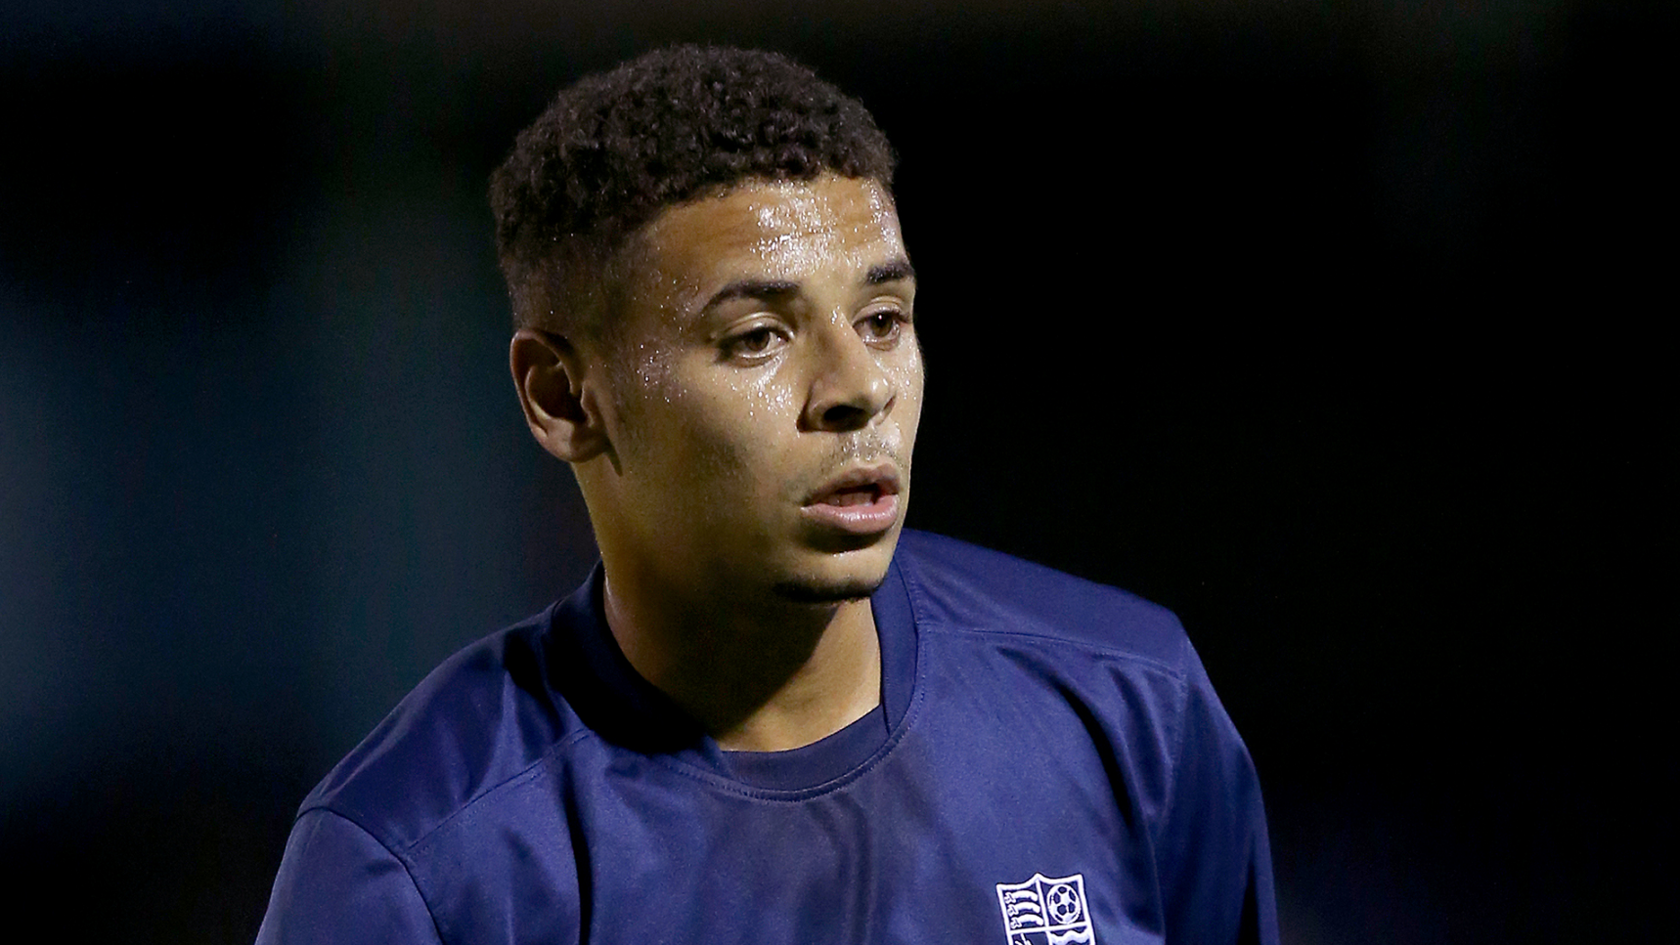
{"points": [[1049, 765]]}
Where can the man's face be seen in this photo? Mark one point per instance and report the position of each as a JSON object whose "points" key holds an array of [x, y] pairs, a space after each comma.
{"points": [[764, 393]]}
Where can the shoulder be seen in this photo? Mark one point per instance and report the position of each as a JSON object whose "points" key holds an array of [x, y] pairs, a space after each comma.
{"points": [[482, 718], [957, 585]]}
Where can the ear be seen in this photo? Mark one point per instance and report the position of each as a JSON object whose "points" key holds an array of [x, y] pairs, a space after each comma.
{"points": [[560, 409]]}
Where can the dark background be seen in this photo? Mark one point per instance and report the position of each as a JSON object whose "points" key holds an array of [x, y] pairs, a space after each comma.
{"points": [[1328, 325]]}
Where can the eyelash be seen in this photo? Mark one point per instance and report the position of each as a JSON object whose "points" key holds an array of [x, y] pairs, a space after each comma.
{"points": [[892, 320], [759, 340], [743, 345]]}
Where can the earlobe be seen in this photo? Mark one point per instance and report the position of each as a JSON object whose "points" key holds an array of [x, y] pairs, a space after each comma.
{"points": [[559, 406]]}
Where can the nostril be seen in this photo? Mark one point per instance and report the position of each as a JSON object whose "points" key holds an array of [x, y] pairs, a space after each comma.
{"points": [[845, 417]]}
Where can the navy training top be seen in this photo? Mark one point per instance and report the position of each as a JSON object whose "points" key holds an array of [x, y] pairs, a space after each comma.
{"points": [[1049, 765]]}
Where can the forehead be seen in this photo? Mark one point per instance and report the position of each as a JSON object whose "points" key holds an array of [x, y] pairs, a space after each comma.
{"points": [[829, 227]]}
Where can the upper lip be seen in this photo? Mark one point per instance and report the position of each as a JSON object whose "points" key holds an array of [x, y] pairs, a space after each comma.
{"points": [[884, 478]]}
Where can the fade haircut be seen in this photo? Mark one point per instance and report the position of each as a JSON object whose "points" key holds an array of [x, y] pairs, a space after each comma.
{"points": [[617, 148]]}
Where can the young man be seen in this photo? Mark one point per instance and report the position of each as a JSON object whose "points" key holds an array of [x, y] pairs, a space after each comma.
{"points": [[766, 717]]}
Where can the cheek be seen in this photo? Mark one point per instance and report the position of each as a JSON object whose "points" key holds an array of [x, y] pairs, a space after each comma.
{"points": [[910, 377], [653, 374], [772, 399], [726, 430]]}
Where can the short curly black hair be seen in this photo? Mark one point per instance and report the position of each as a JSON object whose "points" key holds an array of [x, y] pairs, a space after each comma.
{"points": [[615, 149]]}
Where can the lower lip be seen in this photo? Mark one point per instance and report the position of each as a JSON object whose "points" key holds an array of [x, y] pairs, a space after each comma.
{"points": [[877, 516]]}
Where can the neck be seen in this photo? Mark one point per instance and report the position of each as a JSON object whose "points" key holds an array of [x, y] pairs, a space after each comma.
{"points": [[758, 676]]}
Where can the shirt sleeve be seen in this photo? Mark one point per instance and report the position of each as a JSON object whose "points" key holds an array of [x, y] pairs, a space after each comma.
{"points": [[337, 884], [1215, 860]]}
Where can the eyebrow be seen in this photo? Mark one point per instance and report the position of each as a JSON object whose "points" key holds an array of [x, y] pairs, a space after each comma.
{"points": [[768, 290], [777, 290], [895, 271]]}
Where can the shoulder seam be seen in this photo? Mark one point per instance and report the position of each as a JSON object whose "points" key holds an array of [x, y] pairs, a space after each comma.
{"points": [[1179, 743], [546, 757], [924, 608], [408, 868], [1177, 673]]}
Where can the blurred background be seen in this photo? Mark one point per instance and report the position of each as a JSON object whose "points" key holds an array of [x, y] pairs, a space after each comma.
{"points": [[1328, 325]]}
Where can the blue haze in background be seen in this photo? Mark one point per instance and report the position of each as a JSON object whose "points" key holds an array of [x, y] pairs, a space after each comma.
{"points": [[1312, 324]]}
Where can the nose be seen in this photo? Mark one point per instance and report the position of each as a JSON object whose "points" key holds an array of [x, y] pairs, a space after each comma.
{"points": [[851, 386]]}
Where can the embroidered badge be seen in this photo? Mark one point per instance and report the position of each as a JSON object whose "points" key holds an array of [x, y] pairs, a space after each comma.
{"points": [[1046, 911]]}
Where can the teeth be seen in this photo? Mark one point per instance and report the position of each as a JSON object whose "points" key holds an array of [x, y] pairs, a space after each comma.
{"points": [[852, 497]]}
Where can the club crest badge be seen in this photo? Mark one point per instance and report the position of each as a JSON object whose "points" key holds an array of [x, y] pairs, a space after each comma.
{"points": [[1046, 911]]}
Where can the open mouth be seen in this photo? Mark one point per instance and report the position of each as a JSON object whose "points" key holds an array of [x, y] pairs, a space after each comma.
{"points": [[862, 501], [855, 495]]}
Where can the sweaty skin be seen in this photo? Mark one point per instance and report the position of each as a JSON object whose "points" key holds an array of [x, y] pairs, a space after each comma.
{"points": [[758, 408]]}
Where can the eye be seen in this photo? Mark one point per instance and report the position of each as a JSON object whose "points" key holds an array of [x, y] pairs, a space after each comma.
{"points": [[883, 327], [754, 342]]}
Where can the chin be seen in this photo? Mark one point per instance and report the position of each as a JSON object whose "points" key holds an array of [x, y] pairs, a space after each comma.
{"points": [[838, 577], [837, 567], [812, 591]]}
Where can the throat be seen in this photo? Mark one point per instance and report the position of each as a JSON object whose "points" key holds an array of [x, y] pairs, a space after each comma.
{"points": [[784, 690]]}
